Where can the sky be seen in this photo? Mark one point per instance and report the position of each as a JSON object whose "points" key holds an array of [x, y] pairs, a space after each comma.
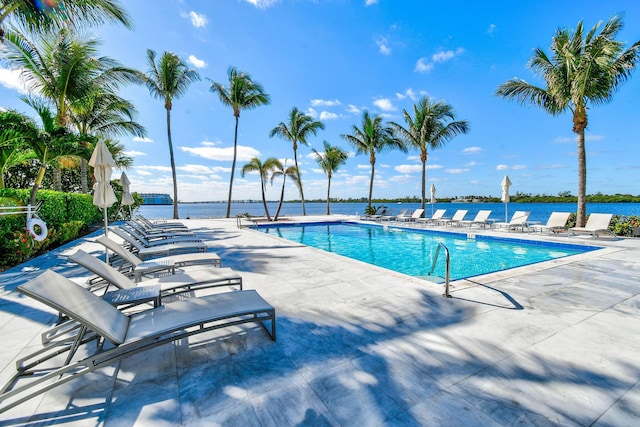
{"points": [[335, 59]]}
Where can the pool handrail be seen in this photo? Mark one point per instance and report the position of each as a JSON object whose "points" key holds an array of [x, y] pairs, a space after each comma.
{"points": [[447, 267]]}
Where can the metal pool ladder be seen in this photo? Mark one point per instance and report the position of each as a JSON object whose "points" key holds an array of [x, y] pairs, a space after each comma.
{"points": [[447, 268]]}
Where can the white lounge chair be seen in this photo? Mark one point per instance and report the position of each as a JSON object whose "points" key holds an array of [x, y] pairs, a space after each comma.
{"points": [[596, 224], [398, 217], [121, 335], [145, 252], [129, 264], [169, 285], [556, 223], [519, 219], [437, 216], [481, 219], [165, 239], [415, 216], [456, 218]]}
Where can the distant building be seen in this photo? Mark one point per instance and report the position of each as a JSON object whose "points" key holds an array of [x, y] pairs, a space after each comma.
{"points": [[156, 199]]}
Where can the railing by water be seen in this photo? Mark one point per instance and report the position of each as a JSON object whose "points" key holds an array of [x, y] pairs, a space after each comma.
{"points": [[447, 267]]}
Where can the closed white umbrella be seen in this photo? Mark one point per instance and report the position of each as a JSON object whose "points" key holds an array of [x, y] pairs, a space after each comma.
{"points": [[433, 196], [103, 195], [127, 198], [505, 184]]}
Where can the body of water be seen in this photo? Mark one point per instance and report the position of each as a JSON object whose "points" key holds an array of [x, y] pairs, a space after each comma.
{"points": [[539, 211]]}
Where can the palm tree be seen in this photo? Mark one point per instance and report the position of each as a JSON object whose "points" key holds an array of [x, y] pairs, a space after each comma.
{"points": [[284, 172], [330, 161], [583, 69], [299, 127], [76, 14], [169, 79], [241, 94], [432, 126], [263, 169], [373, 138], [16, 131]]}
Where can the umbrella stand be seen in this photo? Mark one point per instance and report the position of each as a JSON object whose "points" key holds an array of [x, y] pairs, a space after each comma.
{"points": [[106, 222]]}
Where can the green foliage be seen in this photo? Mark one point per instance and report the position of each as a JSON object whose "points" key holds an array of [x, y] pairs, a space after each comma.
{"points": [[626, 225]]}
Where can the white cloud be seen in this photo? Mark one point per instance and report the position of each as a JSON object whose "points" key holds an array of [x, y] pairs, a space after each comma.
{"points": [[134, 153], [143, 172], [565, 140], [370, 2], [423, 66], [262, 4], [363, 166], [401, 178], [518, 167], [11, 80], [471, 150], [384, 104], [198, 20], [413, 158], [383, 46], [222, 154], [512, 167], [326, 115], [153, 168], [409, 93], [353, 109], [456, 171], [312, 113], [471, 164], [142, 139], [491, 28], [198, 63], [324, 102], [201, 169], [502, 167], [406, 169]]}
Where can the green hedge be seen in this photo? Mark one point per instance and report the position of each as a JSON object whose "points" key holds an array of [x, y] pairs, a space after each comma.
{"points": [[66, 215]]}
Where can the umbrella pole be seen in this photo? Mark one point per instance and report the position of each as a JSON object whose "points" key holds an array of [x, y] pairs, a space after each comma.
{"points": [[106, 252], [506, 212]]}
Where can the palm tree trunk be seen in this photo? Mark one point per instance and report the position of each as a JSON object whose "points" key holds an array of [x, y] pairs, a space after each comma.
{"points": [[373, 170], [424, 184], [582, 181], [84, 187], [173, 167], [328, 195], [264, 200], [295, 159], [284, 178], [233, 169], [36, 185]]}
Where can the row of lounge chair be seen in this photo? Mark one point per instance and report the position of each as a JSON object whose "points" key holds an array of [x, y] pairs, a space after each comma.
{"points": [[597, 223], [109, 310]]}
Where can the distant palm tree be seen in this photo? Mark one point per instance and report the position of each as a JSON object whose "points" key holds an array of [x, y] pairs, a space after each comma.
{"points": [[298, 128], [241, 94], [284, 172], [329, 162], [373, 138], [583, 69], [36, 16], [263, 169], [169, 79], [432, 126]]}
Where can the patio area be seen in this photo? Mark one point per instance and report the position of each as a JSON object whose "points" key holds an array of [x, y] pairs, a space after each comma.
{"points": [[555, 343]]}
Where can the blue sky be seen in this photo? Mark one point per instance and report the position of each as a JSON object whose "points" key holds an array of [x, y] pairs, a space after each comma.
{"points": [[336, 58]]}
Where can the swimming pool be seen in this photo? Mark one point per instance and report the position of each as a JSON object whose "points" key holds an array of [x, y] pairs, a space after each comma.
{"points": [[412, 251]]}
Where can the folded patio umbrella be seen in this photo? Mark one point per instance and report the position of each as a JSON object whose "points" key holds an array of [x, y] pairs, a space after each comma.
{"points": [[103, 195], [127, 198]]}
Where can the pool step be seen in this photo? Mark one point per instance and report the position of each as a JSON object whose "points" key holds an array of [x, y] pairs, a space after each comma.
{"points": [[433, 279]]}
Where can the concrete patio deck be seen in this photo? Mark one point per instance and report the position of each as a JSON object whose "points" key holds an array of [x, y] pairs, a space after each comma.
{"points": [[555, 343]]}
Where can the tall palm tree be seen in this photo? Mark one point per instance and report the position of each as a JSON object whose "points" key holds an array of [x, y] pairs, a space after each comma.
{"points": [[284, 172], [35, 16], [16, 132], [263, 169], [299, 127], [372, 138], [329, 161], [433, 125], [583, 69], [242, 94], [169, 79]]}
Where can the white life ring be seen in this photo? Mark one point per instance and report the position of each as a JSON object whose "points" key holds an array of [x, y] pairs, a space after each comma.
{"points": [[31, 226]]}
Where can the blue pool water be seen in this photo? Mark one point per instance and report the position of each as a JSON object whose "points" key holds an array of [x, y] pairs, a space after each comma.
{"points": [[412, 251]]}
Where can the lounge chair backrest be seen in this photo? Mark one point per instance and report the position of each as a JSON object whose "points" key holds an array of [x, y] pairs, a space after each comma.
{"points": [[482, 216], [417, 213], [459, 215], [519, 217], [126, 237], [598, 221], [558, 219], [103, 270], [119, 250], [79, 304], [135, 234], [439, 213], [402, 213]]}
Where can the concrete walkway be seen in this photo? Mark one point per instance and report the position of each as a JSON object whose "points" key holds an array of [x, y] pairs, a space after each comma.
{"points": [[556, 343]]}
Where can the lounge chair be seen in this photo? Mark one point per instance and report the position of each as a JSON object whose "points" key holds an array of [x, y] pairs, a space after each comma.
{"points": [[481, 219], [437, 216], [519, 219], [457, 217], [144, 252], [120, 335], [380, 210], [556, 223], [415, 216], [169, 285], [160, 224], [158, 240], [130, 264], [154, 233], [398, 217], [596, 223]]}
